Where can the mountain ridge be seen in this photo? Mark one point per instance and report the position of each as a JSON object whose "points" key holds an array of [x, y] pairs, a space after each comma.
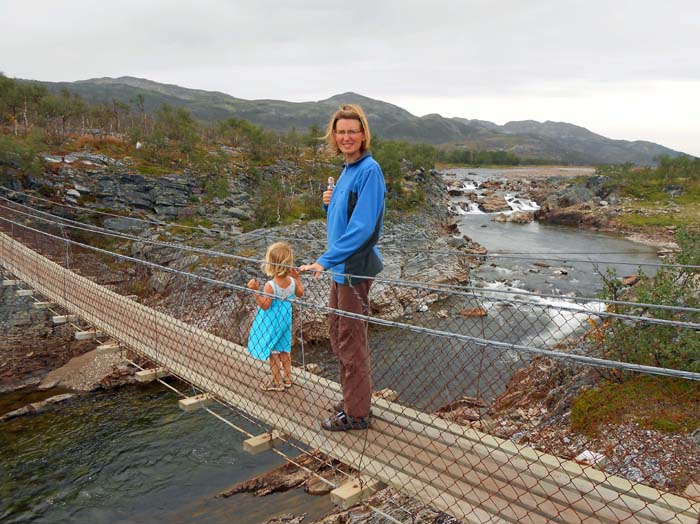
{"points": [[554, 141]]}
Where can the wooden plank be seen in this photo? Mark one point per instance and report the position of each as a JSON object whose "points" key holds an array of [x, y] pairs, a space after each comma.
{"points": [[149, 375], [87, 335], [25, 292], [112, 347], [353, 491], [9, 283], [43, 305], [196, 402], [262, 442], [62, 319]]}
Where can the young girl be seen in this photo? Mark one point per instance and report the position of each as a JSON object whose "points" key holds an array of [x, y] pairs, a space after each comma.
{"points": [[271, 333]]}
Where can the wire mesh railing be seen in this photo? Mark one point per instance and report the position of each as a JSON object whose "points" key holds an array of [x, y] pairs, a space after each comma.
{"points": [[469, 383]]}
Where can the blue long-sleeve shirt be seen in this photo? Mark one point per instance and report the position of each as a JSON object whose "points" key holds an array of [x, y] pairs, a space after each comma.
{"points": [[355, 216]]}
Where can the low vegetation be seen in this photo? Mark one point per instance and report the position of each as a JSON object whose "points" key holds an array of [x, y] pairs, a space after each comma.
{"points": [[662, 403], [667, 195]]}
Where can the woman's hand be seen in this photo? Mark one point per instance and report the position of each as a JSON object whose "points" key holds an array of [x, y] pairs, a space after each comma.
{"points": [[253, 284], [327, 196], [315, 267]]}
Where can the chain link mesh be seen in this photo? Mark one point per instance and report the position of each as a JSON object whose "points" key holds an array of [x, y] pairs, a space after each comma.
{"points": [[445, 366]]}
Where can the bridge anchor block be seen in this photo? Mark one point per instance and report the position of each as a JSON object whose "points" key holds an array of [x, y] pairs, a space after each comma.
{"points": [[108, 348], [350, 493], [196, 402], [149, 375], [264, 442], [43, 305], [87, 335], [62, 319]]}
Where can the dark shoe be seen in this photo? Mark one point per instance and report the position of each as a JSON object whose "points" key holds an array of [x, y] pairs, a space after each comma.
{"points": [[340, 406], [343, 422]]}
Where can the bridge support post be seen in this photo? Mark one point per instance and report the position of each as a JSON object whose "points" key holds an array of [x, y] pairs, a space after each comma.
{"points": [[193, 403], [149, 375], [350, 493], [110, 347], [87, 335], [25, 292], [11, 282], [62, 319], [43, 305], [264, 442]]}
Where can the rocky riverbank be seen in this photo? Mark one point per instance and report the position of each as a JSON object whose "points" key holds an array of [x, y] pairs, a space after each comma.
{"points": [[36, 348], [568, 196]]}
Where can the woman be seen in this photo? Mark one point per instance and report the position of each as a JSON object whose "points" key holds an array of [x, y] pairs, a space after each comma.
{"points": [[355, 213]]}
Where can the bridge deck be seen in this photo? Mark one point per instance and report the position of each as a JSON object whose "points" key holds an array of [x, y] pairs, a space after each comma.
{"points": [[468, 474]]}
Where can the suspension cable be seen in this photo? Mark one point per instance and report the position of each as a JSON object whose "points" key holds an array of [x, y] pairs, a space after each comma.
{"points": [[567, 357]]}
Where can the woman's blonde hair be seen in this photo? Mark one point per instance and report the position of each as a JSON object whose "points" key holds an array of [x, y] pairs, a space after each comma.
{"points": [[350, 112], [279, 259]]}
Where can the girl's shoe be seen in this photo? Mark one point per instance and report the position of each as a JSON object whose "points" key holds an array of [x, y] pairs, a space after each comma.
{"points": [[271, 386], [287, 383]]}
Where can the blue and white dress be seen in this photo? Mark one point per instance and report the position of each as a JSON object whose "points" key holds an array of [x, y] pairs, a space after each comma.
{"points": [[272, 328]]}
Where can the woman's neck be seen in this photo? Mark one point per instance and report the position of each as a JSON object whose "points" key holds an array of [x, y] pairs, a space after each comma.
{"points": [[349, 159]]}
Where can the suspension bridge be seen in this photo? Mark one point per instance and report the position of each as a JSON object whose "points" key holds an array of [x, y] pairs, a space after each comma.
{"points": [[462, 471]]}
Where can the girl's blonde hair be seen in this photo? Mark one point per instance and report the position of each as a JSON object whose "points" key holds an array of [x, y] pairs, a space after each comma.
{"points": [[279, 259], [349, 112]]}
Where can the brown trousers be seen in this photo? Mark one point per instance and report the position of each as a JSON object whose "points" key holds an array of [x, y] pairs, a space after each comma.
{"points": [[349, 343]]}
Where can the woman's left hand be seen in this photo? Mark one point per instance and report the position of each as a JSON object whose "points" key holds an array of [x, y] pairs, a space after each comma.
{"points": [[315, 267]]}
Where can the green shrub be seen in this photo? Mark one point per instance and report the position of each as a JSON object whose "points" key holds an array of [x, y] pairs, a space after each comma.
{"points": [[658, 345]]}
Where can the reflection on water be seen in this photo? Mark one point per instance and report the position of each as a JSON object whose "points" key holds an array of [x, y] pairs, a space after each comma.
{"points": [[129, 455]]}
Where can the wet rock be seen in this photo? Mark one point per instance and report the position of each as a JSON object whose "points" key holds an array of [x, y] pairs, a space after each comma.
{"points": [[521, 217], [36, 407], [316, 486], [473, 312], [630, 280], [493, 204]]}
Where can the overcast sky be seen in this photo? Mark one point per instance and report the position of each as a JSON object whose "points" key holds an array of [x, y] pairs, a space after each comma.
{"points": [[623, 69]]}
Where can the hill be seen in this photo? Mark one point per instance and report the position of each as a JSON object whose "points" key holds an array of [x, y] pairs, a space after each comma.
{"points": [[555, 141]]}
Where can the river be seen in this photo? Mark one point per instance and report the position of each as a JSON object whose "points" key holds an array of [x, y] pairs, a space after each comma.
{"points": [[131, 455]]}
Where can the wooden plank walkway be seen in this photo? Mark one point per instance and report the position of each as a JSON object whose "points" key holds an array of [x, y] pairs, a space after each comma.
{"points": [[473, 476]]}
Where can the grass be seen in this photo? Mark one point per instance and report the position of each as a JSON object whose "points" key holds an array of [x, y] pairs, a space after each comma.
{"points": [[661, 403]]}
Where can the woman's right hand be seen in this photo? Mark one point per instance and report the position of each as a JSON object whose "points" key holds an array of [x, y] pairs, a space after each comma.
{"points": [[327, 196]]}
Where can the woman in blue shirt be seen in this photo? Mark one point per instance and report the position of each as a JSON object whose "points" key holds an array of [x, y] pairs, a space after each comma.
{"points": [[355, 214]]}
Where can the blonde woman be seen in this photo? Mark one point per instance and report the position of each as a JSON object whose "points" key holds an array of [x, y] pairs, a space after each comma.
{"points": [[271, 333], [355, 214]]}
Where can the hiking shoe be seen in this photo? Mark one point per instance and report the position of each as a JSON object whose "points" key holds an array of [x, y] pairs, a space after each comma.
{"points": [[340, 406], [342, 422], [287, 383]]}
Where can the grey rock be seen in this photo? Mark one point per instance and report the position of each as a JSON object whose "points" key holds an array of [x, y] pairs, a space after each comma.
{"points": [[124, 224]]}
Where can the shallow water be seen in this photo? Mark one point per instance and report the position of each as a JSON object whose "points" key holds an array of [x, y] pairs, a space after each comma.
{"points": [[130, 455]]}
